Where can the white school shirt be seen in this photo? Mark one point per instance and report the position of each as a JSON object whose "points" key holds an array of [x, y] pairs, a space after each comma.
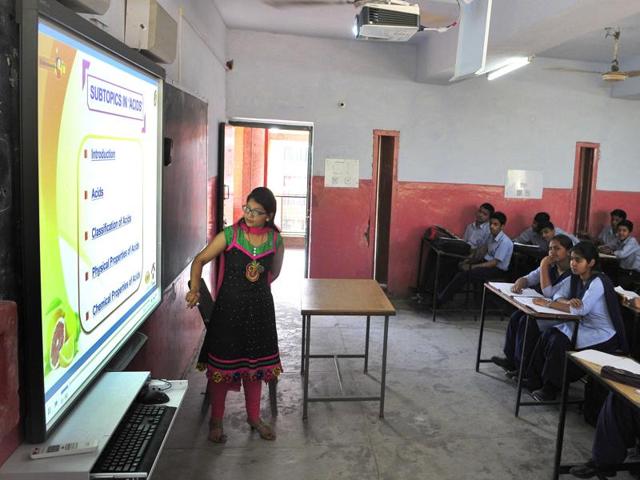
{"points": [[475, 235], [500, 249], [532, 238], [608, 237], [628, 254], [596, 325]]}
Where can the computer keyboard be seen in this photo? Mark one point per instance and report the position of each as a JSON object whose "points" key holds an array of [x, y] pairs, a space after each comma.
{"points": [[136, 442]]}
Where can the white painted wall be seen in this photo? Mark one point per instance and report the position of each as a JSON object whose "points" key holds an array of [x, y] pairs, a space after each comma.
{"points": [[469, 132], [199, 65]]}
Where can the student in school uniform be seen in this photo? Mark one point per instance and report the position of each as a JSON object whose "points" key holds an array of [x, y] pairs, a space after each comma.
{"points": [[589, 294], [477, 233], [548, 230], [627, 251], [608, 235], [531, 235], [553, 269], [617, 430], [494, 265]]}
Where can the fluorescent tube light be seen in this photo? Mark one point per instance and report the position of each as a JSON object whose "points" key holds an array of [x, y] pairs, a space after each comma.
{"points": [[513, 64]]}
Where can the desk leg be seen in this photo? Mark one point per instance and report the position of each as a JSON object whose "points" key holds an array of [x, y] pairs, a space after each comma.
{"points": [[383, 378], [366, 345], [305, 399], [434, 303], [482, 317], [521, 369], [303, 339], [561, 419]]}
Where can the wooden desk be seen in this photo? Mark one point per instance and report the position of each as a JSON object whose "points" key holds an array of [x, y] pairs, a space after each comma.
{"points": [[628, 393], [530, 315], [343, 297]]}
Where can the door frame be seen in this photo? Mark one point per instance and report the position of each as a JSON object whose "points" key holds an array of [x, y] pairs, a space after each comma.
{"points": [[573, 209], [373, 204], [266, 124]]}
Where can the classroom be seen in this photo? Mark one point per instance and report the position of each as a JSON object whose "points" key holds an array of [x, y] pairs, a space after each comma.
{"points": [[455, 198]]}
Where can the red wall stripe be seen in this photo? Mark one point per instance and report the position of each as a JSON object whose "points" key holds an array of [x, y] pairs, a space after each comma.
{"points": [[339, 216]]}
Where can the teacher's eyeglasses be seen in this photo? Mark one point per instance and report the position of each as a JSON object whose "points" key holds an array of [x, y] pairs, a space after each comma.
{"points": [[254, 212]]}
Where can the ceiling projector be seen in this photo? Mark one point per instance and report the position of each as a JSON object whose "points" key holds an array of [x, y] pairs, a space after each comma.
{"points": [[387, 21]]}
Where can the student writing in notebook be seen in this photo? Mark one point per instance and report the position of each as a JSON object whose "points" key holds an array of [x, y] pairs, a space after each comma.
{"points": [[588, 293], [553, 269]]}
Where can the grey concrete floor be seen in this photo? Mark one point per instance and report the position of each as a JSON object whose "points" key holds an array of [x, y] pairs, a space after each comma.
{"points": [[442, 419]]}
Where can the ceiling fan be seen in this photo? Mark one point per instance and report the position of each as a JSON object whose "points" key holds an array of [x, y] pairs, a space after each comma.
{"points": [[614, 74], [428, 21]]}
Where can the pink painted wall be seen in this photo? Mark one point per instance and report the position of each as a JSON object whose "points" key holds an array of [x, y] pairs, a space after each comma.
{"points": [[339, 216], [10, 427], [339, 219]]}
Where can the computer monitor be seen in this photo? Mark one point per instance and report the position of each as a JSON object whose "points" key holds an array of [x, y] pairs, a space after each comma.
{"points": [[91, 194]]}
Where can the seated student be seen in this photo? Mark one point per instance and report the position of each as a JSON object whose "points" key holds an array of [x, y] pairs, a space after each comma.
{"points": [[477, 233], [531, 235], [627, 251], [617, 430], [552, 270], [589, 294], [495, 264], [548, 231], [608, 235]]}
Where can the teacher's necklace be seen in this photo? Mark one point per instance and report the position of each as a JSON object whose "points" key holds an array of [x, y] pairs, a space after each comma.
{"points": [[254, 268]]}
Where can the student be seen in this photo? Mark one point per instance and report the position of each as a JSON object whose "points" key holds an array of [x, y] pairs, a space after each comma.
{"points": [[627, 251], [589, 294], [618, 429], [477, 233], [553, 269], [531, 235], [495, 264], [241, 340], [608, 235], [548, 231]]}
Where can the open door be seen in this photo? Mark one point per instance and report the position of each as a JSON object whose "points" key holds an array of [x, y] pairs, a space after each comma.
{"points": [[275, 156]]}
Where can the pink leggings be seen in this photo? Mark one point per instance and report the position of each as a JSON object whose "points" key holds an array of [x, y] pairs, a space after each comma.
{"points": [[252, 392]]}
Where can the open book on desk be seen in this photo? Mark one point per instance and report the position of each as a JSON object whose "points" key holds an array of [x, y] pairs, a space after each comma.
{"points": [[602, 359], [528, 301], [505, 288], [627, 294]]}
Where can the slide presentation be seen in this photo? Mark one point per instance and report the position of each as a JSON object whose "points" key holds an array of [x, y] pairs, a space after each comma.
{"points": [[99, 129]]}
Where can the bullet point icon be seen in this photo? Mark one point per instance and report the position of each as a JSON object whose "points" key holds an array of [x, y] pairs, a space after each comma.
{"points": [[85, 153], [86, 276], [86, 194], [86, 235], [86, 316]]}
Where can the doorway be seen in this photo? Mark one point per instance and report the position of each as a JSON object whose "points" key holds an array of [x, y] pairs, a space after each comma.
{"points": [[584, 183], [277, 156], [385, 154]]}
